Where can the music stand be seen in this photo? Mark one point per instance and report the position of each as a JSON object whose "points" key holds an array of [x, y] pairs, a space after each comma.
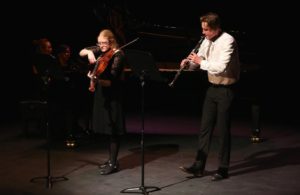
{"points": [[49, 179], [143, 66]]}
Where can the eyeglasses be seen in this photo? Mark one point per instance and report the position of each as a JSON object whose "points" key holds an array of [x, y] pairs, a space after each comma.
{"points": [[105, 43]]}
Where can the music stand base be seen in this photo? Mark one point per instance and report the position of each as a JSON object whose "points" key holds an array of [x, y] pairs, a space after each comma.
{"points": [[50, 180], [141, 190]]}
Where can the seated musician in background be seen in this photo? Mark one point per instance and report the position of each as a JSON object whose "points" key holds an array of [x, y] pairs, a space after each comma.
{"points": [[42, 63], [106, 83], [69, 90], [52, 86]]}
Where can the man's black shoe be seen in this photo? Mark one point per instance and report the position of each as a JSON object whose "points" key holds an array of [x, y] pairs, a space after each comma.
{"points": [[221, 174], [218, 177], [196, 169]]}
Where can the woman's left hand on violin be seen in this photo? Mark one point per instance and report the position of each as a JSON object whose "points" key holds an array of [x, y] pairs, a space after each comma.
{"points": [[91, 75]]}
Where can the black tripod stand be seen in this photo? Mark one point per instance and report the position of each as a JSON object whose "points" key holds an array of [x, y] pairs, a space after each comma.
{"points": [[142, 63], [49, 179]]}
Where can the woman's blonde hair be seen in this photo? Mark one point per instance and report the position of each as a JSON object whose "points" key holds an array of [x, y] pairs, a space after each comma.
{"points": [[108, 34]]}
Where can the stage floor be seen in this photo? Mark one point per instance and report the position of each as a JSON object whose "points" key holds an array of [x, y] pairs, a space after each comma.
{"points": [[270, 167]]}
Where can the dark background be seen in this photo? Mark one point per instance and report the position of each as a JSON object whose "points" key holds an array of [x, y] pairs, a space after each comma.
{"points": [[261, 30]]}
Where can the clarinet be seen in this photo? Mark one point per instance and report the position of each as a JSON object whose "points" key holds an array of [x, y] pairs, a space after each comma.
{"points": [[195, 50]]}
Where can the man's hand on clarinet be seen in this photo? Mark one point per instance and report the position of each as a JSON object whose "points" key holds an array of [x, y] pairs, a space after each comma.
{"points": [[194, 58], [184, 63]]}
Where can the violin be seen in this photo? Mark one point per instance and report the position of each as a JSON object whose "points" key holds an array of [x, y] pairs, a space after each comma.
{"points": [[103, 60], [102, 63]]}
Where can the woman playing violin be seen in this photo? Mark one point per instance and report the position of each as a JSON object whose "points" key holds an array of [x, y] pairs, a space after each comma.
{"points": [[106, 83]]}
